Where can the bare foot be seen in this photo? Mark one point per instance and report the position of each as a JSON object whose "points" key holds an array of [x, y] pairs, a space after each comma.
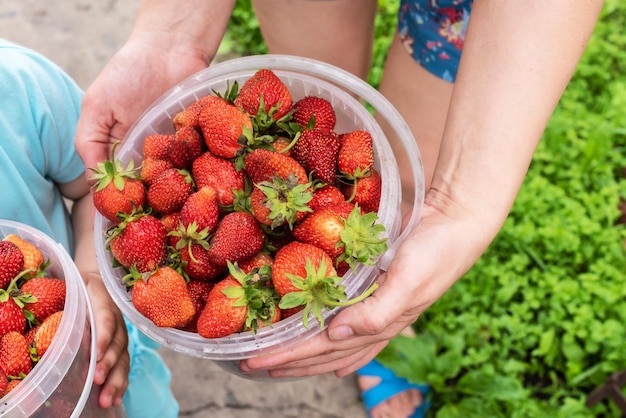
{"points": [[402, 405]]}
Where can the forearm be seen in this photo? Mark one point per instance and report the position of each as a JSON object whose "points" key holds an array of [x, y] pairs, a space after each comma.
{"points": [[517, 59], [192, 26], [82, 220]]}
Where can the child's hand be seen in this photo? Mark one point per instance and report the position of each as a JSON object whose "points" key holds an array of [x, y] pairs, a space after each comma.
{"points": [[113, 360]]}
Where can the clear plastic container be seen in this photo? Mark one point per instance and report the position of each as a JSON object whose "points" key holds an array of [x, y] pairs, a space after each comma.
{"points": [[64, 375], [303, 77]]}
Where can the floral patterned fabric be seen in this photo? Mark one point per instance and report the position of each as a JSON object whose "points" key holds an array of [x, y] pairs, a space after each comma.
{"points": [[433, 32]]}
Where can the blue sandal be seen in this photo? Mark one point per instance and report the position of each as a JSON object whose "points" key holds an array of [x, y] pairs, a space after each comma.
{"points": [[389, 386]]}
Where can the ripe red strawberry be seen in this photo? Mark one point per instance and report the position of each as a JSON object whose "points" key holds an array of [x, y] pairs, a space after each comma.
{"points": [[163, 298], [238, 236], [50, 295], [46, 332], [14, 354], [280, 201], [317, 150], [29, 334], [220, 174], [223, 316], [12, 316], [152, 167], [265, 92], [292, 259], [262, 165], [241, 301], [325, 196], [140, 240], [365, 192], [33, 257], [196, 262], [189, 116], [222, 125], [202, 208], [168, 192], [170, 221], [344, 233], [199, 292], [157, 146], [304, 277], [11, 385], [282, 144], [323, 228], [117, 189], [356, 154], [11, 262], [258, 260], [4, 382], [186, 146], [314, 113]]}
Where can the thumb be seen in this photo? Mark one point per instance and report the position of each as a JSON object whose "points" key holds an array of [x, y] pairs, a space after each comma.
{"points": [[382, 314]]}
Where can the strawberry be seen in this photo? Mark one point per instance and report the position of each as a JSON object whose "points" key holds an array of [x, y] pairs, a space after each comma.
{"points": [[344, 233], [239, 302], [258, 260], [323, 228], [186, 146], [199, 292], [46, 332], [365, 192], [202, 208], [168, 192], [220, 174], [280, 201], [117, 189], [12, 316], [12, 385], [262, 165], [139, 241], [50, 295], [14, 354], [304, 277], [162, 297], [152, 167], [238, 236], [221, 315], [316, 150], [222, 125], [11, 262], [292, 259], [282, 144], [196, 261], [325, 196], [189, 116], [314, 113], [4, 382], [30, 333], [157, 146], [33, 257], [170, 221], [356, 154], [265, 93]]}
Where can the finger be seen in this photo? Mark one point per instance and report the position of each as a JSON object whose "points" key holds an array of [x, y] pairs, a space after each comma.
{"points": [[116, 383]]}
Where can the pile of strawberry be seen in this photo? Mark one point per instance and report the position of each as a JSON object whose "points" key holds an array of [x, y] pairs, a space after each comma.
{"points": [[31, 308], [251, 211]]}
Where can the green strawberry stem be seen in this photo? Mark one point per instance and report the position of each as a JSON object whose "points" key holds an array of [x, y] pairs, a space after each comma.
{"points": [[334, 303]]}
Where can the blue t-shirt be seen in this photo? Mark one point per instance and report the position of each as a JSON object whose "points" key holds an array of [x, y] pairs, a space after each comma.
{"points": [[39, 107]]}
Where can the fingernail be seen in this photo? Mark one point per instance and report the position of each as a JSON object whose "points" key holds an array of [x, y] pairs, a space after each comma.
{"points": [[340, 333]]}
